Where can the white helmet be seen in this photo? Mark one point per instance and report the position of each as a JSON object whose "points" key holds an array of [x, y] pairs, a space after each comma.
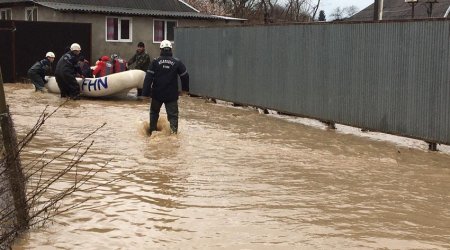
{"points": [[165, 44], [50, 54], [75, 46]]}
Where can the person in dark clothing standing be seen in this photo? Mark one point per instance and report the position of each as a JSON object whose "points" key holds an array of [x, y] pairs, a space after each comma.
{"points": [[161, 81], [66, 69], [142, 60], [38, 71]]}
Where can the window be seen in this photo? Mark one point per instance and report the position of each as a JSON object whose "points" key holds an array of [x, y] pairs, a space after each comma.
{"points": [[163, 30], [5, 14], [118, 29], [31, 14]]}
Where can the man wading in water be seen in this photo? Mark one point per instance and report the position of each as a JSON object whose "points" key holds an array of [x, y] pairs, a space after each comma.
{"points": [[37, 72], [163, 73]]}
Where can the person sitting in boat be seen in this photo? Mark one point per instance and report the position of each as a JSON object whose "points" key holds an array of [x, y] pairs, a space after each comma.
{"points": [[119, 64], [103, 67], [38, 71], [86, 70]]}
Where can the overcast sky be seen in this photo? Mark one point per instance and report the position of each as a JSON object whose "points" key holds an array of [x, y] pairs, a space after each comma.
{"points": [[329, 5]]}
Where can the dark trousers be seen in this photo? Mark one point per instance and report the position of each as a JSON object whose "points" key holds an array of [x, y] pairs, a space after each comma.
{"points": [[36, 80], [68, 85], [172, 114]]}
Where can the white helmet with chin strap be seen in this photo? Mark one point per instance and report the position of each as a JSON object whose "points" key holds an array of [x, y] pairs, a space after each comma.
{"points": [[50, 54], [165, 44], [75, 46]]}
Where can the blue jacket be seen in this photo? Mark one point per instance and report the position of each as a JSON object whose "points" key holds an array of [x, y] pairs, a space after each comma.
{"points": [[161, 79], [41, 68], [68, 65]]}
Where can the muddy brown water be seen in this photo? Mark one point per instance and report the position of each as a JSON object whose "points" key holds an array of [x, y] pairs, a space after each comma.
{"points": [[234, 179]]}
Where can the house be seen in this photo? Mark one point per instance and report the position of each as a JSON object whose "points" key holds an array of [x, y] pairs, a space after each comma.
{"points": [[399, 9], [116, 25]]}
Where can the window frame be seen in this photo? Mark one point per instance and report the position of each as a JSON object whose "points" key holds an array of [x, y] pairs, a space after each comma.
{"points": [[6, 10], [165, 29], [33, 9], [119, 29]]}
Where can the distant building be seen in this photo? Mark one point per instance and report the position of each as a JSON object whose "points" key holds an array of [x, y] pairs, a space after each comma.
{"points": [[399, 9]]}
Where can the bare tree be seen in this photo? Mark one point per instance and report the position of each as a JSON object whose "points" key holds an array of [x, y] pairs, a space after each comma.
{"points": [[267, 7], [208, 6], [316, 7], [301, 10], [241, 8], [261, 11], [42, 196], [343, 13], [235, 8], [350, 10], [337, 14]]}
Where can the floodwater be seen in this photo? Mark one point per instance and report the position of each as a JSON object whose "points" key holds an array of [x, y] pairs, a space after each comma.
{"points": [[233, 179]]}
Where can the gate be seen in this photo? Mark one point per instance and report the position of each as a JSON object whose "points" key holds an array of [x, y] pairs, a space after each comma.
{"points": [[22, 43]]}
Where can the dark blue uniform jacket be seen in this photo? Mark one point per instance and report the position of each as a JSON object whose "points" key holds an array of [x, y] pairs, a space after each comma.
{"points": [[68, 65], [41, 68], [163, 72]]}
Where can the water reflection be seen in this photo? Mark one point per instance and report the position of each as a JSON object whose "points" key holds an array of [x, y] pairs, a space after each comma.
{"points": [[235, 179]]}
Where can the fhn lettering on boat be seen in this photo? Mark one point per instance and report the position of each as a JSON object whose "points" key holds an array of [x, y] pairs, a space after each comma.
{"points": [[95, 83]]}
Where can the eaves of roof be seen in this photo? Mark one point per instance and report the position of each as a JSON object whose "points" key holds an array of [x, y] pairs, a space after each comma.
{"points": [[130, 11]]}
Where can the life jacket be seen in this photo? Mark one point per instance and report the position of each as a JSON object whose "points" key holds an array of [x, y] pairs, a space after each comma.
{"points": [[120, 65], [106, 68]]}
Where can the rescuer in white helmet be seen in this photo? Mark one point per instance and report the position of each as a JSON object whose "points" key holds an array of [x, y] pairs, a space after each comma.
{"points": [[66, 70], [38, 71], [161, 82]]}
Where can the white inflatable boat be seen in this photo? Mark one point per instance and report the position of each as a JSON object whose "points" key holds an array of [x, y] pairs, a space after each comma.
{"points": [[117, 84]]}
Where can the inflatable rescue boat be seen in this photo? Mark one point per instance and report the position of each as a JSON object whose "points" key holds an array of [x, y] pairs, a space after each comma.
{"points": [[116, 84]]}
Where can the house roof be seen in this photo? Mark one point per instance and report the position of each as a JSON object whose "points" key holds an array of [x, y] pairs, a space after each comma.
{"points": [[398, 9], [162, 5], [159, 8]]}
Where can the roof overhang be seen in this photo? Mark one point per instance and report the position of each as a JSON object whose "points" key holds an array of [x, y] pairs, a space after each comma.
{"points": [[134, 12]]}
